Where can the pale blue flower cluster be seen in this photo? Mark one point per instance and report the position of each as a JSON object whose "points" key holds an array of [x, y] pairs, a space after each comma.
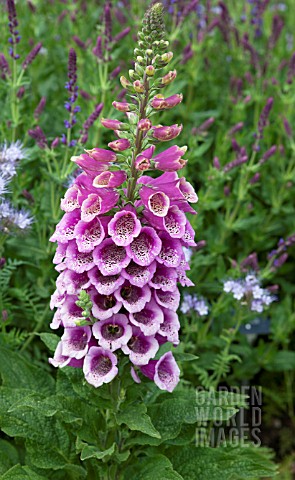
{"points": [[193, 303], [10, 217], [249, 291]]}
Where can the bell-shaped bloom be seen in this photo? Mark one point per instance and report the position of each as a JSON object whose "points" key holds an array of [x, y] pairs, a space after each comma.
{"points": [[140, 348], [133, 298], [64, 230], [139, 275], [164, 134], [111, 123], [188, 236], [60, 360], [70, 200], [89, 234], [102, 155], [171, 252], [78, 261], [143, 161], [75, 341], [156, 202], [149, 319], [110, 258], [119, 145], [183, 279], [92, 166], [124, 227], [188, 191], [94, 204], [168, 299], [99, 366], [109, 179], [170, 160], [161, 103], [57, 299], [71, 282], [70, 314], [173, 223], [164, 278], [144, 124], [169, 328], [167, 183], [104, 306], [113, 333], [144, 249], [60, 252], [105, 284], [164, 372]]}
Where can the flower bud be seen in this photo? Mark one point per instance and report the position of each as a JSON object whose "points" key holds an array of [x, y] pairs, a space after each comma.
{"points": [[144, 124], [216, 163], [139, 70], [121, 106], [161, 103], [55, 142], [167, 57], [142, 163], [140, 59], [138, 86], [169, 77], [119, 145], [132, 74], [149, 52], [124, 82], [150, 71], [112, 124], [166, 133]]}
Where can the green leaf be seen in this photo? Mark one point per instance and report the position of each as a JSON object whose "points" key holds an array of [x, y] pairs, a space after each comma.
{"points": [[157, 467], [135, 417], [19, 472], [185, 357], [8, 456], [189, 407], [89, 451], [223, 463], [50, 339], [18, 372], [282, 361]]}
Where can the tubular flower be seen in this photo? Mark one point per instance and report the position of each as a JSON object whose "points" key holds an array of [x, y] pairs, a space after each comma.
{"points": [[122, 239]]}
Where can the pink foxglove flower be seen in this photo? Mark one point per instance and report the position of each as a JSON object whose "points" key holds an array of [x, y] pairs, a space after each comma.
{"points": [[121, 241]]}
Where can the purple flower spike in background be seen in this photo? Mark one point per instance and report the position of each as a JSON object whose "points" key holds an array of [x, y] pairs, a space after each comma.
{"points": [[120, 242]]}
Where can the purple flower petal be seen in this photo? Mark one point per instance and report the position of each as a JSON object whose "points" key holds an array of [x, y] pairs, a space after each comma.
{"points": [[88, 235], [78, 261], [99, 366], [65, 228], [133, 298], [149, 319], [75, 342], [124, 227], [144, 249], [140, 348], [104, 306], [168, 300], [164, 278], [113, 333], [138, 275], [171, 252], [105, 284], [110, 258]]}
